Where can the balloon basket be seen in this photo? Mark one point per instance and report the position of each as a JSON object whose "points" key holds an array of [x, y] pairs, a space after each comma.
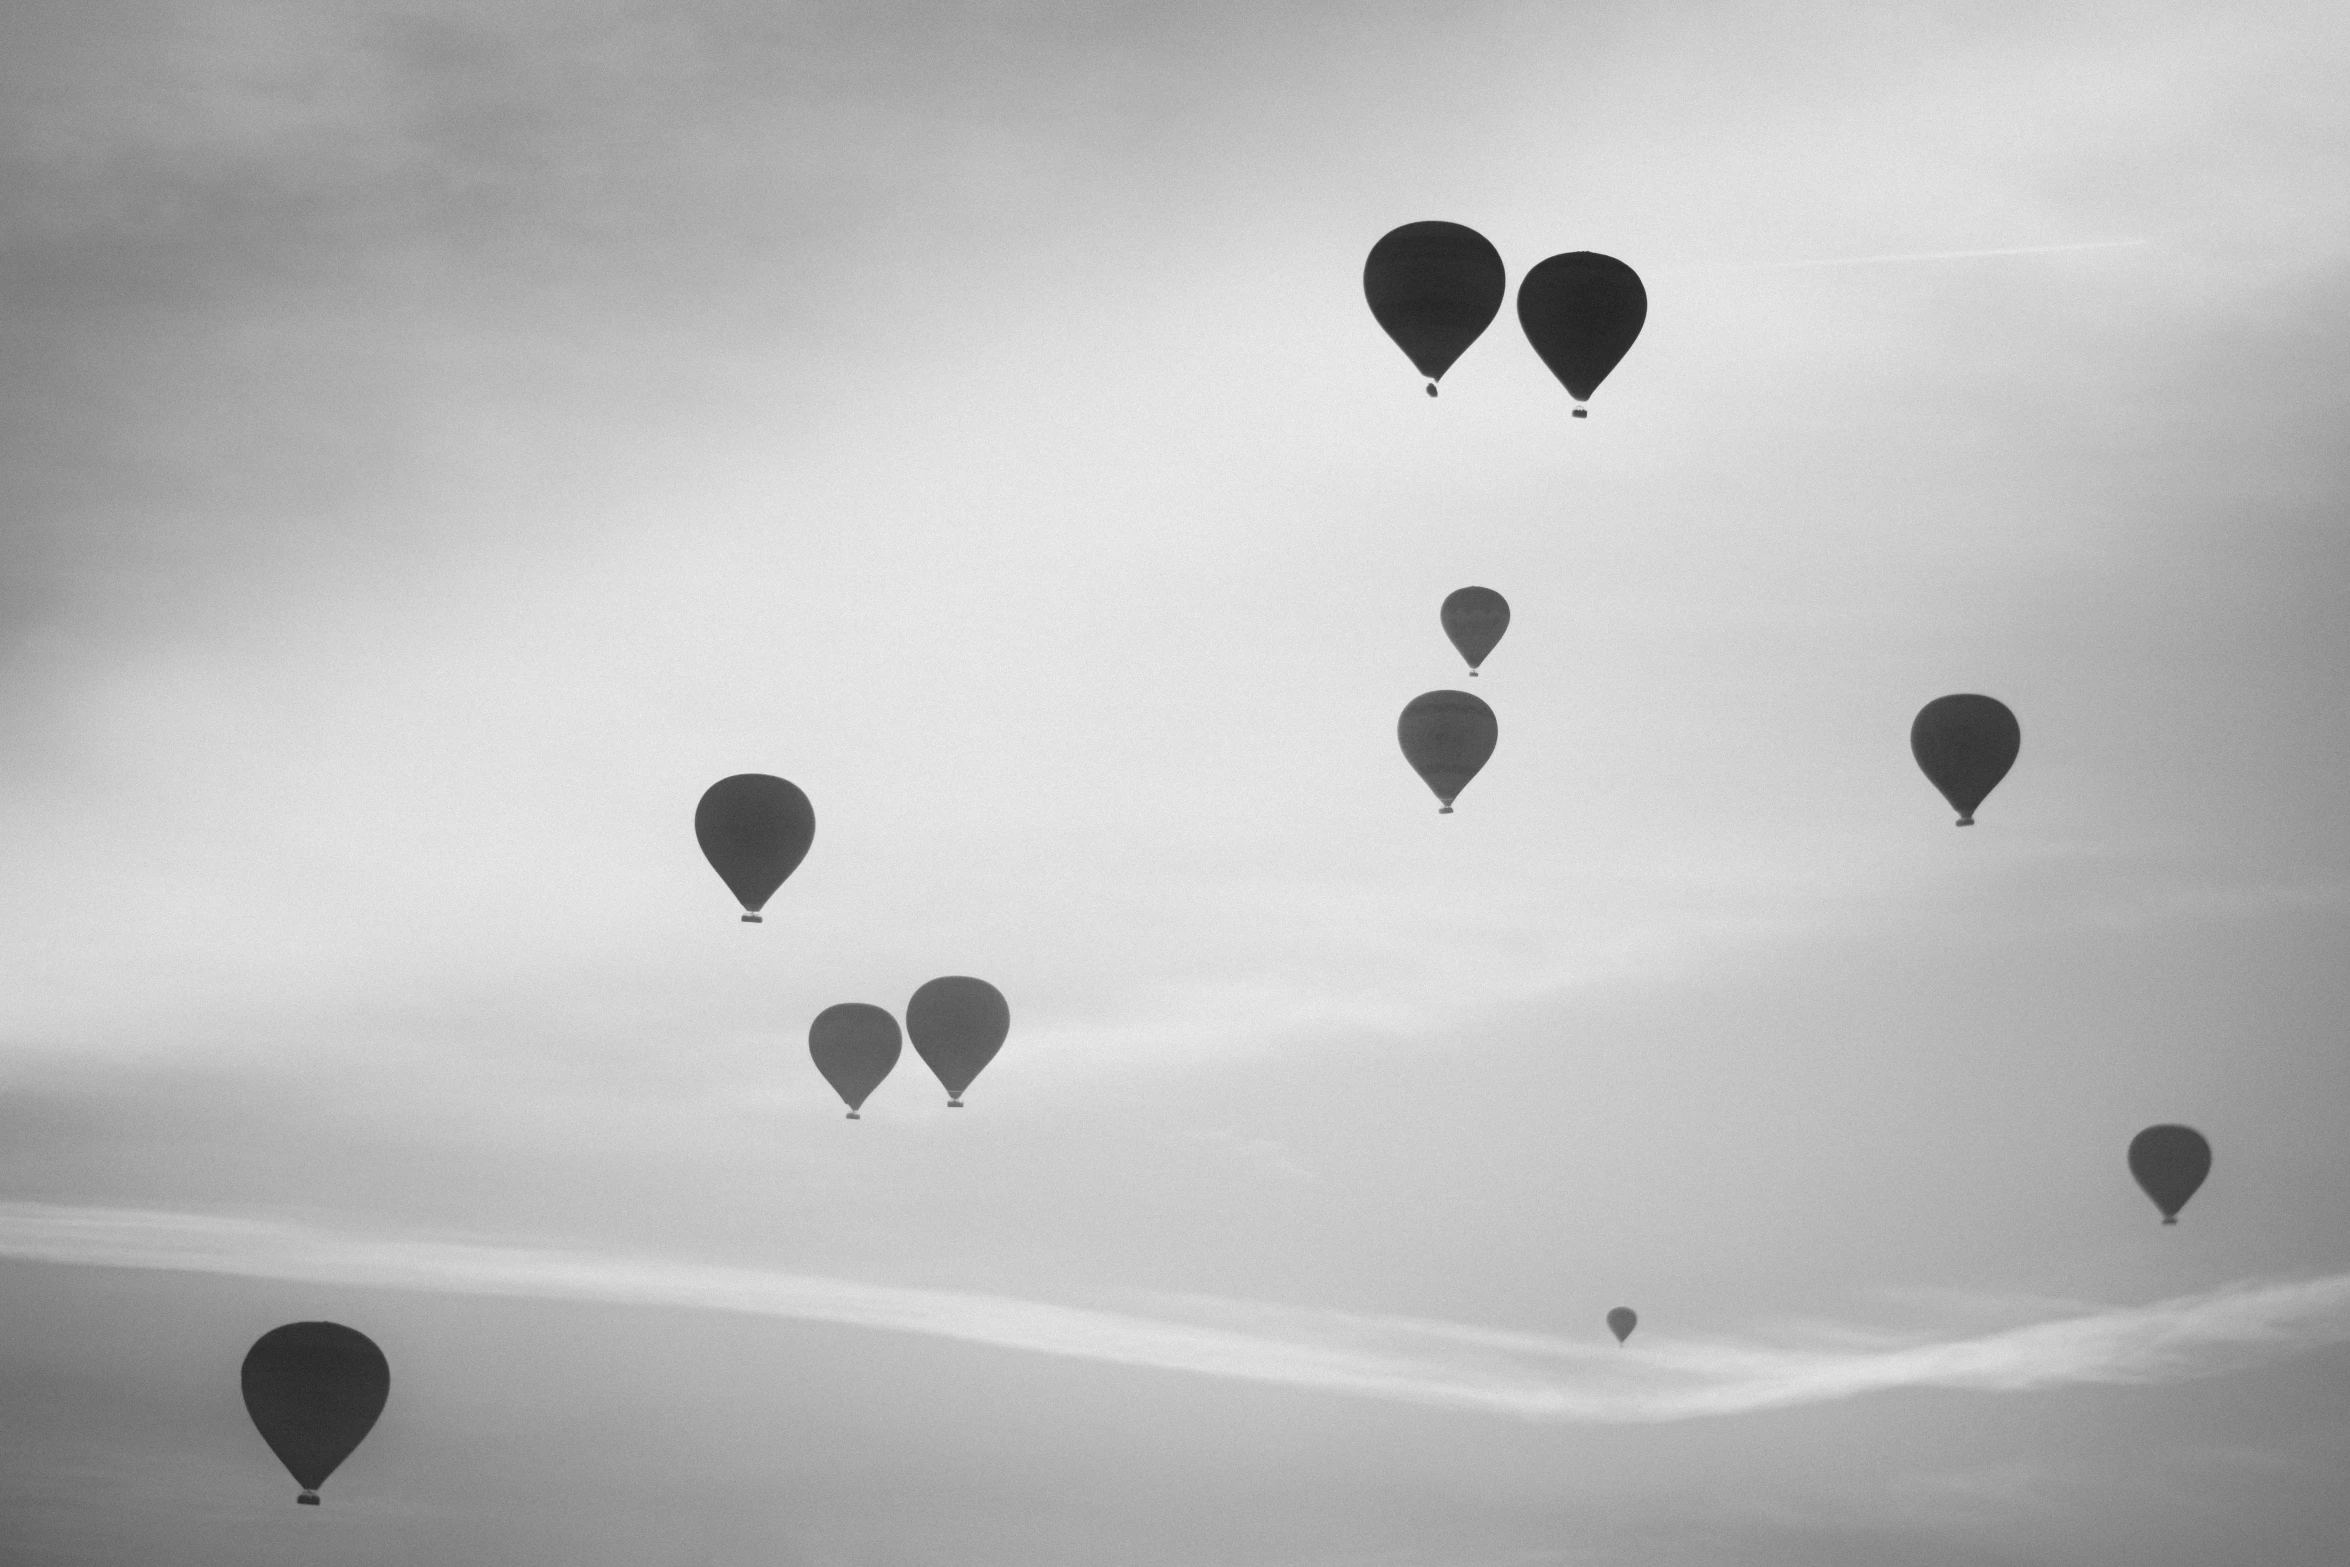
{"points": [[854, 1116], [1966, 821], [1582, 413], [306, 1499], [753, 919], [1431, 388], [1444, 810], [2173, 1219], [954, 1104]]}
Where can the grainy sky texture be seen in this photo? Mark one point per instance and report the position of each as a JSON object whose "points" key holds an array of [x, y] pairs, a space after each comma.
{"points": [[438, 440]]}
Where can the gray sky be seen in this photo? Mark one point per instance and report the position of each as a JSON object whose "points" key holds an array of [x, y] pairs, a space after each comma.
{"points": [[441, 439]]}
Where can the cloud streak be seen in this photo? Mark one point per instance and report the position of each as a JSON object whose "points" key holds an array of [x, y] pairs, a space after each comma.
{"points": [[1443, 1365]]}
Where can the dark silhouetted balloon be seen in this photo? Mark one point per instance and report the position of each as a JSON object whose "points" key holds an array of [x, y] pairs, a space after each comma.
{"points": [[1434, 287], [2170, 1162], [854, 1045], [1966, 744], [957, 1025], [1622, 1321], [314, 1390], [1446, 736], [1475, 618], [1582, 312], [754, 830]]}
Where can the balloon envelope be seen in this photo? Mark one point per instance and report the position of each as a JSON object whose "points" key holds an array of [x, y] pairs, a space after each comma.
{"points": [[1446, 736], [1582, 312], [1965, 744], [1475, 618], [1622, 1321], [957, 1025], [854, 1045], [1434, 287], [2170, 1162], [754, 830], [314, 1390]]}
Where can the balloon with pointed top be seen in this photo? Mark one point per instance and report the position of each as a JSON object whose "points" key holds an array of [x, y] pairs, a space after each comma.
{"points": [[1434, 287], [1475, 618], [1622, 1321], [754, 830], [1965, 744], [1582, 312], [854, 1045], [314, 1390], [957, 1024], [2169, 1163], [1446, 736]]}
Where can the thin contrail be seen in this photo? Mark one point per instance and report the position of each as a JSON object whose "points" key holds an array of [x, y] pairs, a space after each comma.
{"points": [[1532, 1376]]}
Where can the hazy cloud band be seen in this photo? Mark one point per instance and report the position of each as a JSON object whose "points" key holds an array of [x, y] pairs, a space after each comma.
{"points": [[1531, 1376]]}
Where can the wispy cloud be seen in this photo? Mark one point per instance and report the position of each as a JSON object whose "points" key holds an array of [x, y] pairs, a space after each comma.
{"points": [[1531, 1376]]}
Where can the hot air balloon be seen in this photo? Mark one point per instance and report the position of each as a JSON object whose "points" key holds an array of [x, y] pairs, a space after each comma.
{"points": [[2170, 1162], [754, 830], [1582, 312], [1966, 744], [957, 1025], [1434, 287], [1475, 618], [1446, 736], [1622, 1321], [854, 1045], [314, 1390]]}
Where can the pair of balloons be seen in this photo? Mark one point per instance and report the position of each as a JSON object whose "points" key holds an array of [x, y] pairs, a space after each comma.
{"points": [[1448, 736], [754, 830], [957, 1024], [1435, 287], [1965, 744], [2169, 1162]]}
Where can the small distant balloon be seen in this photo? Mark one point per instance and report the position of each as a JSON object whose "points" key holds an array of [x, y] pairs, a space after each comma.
{"points": [[2169, 1163], [1582, 312], [1622, 1321], [314, 1390], [1446, 736], [1475, 618], [1434, 287], [754, 830], [957, 1024], [854, 1045], [1965, 744]]}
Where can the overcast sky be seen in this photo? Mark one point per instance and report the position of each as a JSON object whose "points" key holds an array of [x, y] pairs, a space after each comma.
{"points": [[441, 439]]}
